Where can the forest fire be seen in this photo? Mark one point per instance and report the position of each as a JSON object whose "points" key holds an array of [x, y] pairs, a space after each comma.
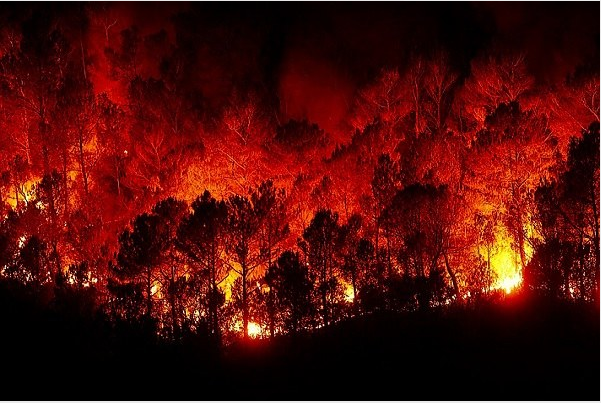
{"points": [[258, 181], [356, 187]]}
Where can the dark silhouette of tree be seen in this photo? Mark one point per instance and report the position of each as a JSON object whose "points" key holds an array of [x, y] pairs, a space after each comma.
{"points": [[384, 185], [142, 248], [9, 234], [415, 218], [582, 188], [202, 238], [372, 278], [49, 193], [349, 249], [243, 226], [270, 208], [32, 263], [139, 254], [565, 261], [291, 287], [170, 212], [320, 248]]}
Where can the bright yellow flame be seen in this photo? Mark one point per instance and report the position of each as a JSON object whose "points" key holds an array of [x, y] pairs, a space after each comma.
{"points": [[349, 293], [507, 268], [26, 193], [254, 330], [156, 291], [505, 263], [508, 284]]}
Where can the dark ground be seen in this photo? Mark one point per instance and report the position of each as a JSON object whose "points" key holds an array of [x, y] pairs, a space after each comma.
{"points": [[518, 349]]}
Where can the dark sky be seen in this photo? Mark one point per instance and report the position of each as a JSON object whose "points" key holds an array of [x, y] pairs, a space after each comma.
{"points": [[314, 55], [363, 36]]}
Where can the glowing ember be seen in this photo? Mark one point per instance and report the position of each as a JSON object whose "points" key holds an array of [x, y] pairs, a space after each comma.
{"points": [[254, 330]]}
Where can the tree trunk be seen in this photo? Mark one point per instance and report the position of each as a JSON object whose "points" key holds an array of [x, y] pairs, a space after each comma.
{"points": [[388, 261], [594, 195], [82, 163], [148, 293], [324, 293], [213, 290], [173, 300], [118, 176], [452, 275], [244, 299], [377, 246], [65, 182], [581, 268], [354, 283], [16, 197]]}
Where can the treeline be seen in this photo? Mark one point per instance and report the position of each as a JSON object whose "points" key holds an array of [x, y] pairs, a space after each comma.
{"points": [[122, 180], [173, 262]]}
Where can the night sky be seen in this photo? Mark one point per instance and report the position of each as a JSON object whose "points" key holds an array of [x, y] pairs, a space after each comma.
{"points": [[312, 57]]}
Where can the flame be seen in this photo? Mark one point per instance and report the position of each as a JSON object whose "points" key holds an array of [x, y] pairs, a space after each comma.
{"points": [[26, 193], [505, 263], [254, 330], [349, 294], [508, 284], [156, 291]]}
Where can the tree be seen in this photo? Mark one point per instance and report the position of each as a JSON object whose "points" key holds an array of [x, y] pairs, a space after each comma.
{"points": [[162, 131], [291, 287], [49, 193], [349, 248], [113, 145], [384, 185], [243, 226], [319, 246], [385, 100], [78, 115], [415, 218], [495, 80], [582, 187], [269, 205], [508, 160], [566, 260], [202, 238], [244, 132], [439, 81], [144, 247], [170, 212], [414, 79]]}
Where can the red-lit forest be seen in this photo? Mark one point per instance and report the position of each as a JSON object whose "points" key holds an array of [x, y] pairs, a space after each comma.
{"points": [[191, 172]]}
